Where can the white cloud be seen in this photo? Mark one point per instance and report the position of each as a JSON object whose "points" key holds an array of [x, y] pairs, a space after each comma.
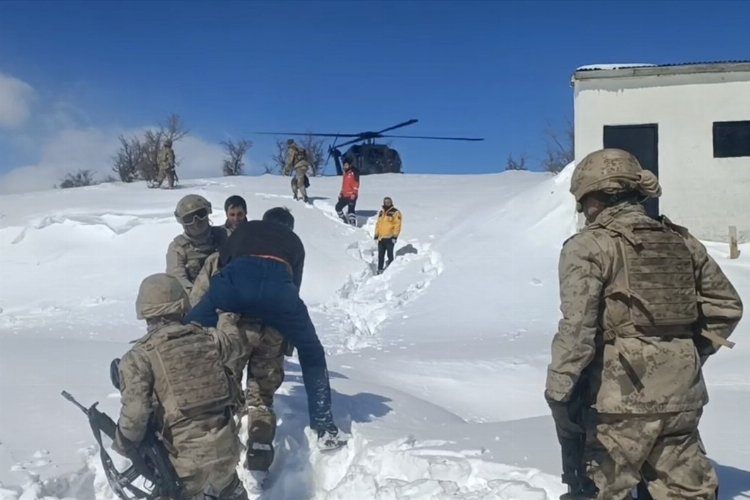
{"points": [[76, 149], [16, 97]]}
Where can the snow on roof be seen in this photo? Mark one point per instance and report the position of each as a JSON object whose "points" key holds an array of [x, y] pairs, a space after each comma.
{"points": [[599, 67], [594, 67]]}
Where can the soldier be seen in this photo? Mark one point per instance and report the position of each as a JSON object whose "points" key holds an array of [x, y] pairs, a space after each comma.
{"points": [[260, 277], [235, 209], [387, 229], [349, 193], [297, 165], [181, 376], [166, 163], [264, 376], [188, 251], [643, 307]]}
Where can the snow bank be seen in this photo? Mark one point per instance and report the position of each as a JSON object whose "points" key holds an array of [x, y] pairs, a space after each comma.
{"points": [[437, 365]]}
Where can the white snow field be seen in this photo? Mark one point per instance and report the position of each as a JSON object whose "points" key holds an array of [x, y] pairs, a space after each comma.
{"points": [[437, 366]]}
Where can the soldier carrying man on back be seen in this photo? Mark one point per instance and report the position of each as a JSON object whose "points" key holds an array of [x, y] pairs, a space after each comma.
{"points": [[297, 165], [643, 307], [185, 380]]}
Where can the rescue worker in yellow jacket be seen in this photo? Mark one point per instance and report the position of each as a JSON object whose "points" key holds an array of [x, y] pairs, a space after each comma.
{"points": [[387, 229], [643, 307]]}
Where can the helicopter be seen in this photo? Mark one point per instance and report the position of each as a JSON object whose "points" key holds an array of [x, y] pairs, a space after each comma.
{"points": [[365, 154]]}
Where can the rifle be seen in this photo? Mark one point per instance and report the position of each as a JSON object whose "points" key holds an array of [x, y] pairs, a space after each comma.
{"points": [[149, 461]]}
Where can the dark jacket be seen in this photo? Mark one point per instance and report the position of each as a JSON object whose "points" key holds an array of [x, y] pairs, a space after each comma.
{"points": [[265, 239]]}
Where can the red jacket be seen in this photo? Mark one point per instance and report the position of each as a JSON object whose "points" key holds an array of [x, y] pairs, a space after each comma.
{"points": [[350, 184]]}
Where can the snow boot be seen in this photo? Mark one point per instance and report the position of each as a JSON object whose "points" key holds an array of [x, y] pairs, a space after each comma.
{"points": [[352, 219], [328, 441], [342, 217]]}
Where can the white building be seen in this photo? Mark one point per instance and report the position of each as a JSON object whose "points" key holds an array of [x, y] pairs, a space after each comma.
{"points": [[688, 123]]}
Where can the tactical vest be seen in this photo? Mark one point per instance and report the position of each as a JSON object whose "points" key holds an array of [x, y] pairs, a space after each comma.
{"points": [[656, 282], [196, 253], [190, 378]]}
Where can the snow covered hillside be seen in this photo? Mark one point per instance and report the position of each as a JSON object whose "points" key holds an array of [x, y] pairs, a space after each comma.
{"points": [[437, 366]]}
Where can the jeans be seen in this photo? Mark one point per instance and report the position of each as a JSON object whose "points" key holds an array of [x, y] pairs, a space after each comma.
{"points": [[263, 288]]}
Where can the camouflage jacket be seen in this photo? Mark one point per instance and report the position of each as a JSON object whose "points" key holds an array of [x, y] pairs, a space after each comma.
{"points": [[166, 159], [185, 256], [202, 401], [632, 373]]}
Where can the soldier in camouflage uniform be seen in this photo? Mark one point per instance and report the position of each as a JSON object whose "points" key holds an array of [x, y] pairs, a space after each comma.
{"points": [[297, 165], [166, 163], [188, 251], [264, 376], [643, 307], [184, 378]]}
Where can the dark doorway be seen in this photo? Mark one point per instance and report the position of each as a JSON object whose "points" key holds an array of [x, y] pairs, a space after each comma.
{"points": [[642, 141]]}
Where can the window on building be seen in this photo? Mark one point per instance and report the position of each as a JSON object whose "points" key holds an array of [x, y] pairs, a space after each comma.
{"points": [[731, 139]]}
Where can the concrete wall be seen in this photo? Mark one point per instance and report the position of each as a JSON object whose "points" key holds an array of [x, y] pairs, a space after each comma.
{"points": [[704, 193]]}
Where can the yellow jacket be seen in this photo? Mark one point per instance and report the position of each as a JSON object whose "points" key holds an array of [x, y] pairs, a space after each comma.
{"points": [[388, 225]]}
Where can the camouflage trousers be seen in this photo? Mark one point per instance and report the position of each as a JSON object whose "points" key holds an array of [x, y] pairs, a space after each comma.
{"points": [[165, 173], [298, 184], [207, 457], [665, 450], [264, 376]]}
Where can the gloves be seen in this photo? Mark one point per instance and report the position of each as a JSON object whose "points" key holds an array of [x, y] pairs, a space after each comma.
{"points": [[375, 237], [561, 414], [123, 445]]}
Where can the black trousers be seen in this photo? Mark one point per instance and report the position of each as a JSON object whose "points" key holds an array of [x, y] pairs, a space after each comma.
{"points": [[346, 202], [385, 245]]}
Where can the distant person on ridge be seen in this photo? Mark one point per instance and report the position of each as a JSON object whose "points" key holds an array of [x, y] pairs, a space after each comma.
{"points": [[166, 161], [297, 165], [349, 193], [387, 229]]}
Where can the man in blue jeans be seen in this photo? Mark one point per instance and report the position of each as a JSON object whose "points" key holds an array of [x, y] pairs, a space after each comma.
{"points": [[261, 273]]}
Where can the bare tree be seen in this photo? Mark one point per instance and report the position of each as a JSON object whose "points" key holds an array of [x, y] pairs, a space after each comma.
{"points": [[314, 150], [278, 158], [148, 168], [173, 128], [79, 179], [235, 151], [128, 159], [316, 154], [560, 148], [516, 164]]}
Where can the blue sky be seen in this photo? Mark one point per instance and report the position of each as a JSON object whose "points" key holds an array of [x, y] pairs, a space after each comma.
{"points": [[498, 70]]}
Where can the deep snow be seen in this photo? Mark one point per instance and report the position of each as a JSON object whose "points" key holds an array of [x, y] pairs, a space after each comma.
{"points": [[437, 365]]}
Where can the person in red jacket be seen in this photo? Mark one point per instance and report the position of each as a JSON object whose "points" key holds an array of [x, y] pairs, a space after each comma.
{"points": [[349, 193]]}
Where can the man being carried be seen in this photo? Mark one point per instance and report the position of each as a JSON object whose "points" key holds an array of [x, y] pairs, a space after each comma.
{"points": [[261, 273]]}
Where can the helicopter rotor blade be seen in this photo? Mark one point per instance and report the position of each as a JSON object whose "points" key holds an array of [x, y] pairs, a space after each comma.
{"points": [[314, 134], [403, 124], [437, 138], [353, 141]]}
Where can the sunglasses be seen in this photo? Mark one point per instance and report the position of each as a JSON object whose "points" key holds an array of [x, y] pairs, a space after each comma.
{"points": [[193, 217]]}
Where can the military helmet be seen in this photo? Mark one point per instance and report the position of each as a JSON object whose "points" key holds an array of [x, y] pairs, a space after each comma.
{"points": [[191, 204], [289, 142], [612, 171], [161, 295], [168, 142]]}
